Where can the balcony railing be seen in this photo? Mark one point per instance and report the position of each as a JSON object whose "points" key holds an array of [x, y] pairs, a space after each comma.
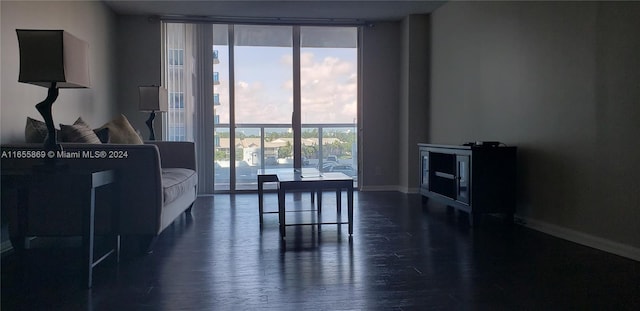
{"points": [[327, 147]]}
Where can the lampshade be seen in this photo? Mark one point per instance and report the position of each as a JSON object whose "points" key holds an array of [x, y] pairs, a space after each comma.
{"points": [[153, 98], [48, 56]]}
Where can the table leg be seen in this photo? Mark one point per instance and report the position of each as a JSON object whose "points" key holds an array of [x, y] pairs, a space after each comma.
{"points": [[319, 201], [260, 198], [338, 200], [350, 208], [88, 239], [98, 179], [281, 211]]}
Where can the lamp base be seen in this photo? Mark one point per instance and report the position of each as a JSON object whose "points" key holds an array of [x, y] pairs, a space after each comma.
{"points": [[44, 107], [152, 135]]}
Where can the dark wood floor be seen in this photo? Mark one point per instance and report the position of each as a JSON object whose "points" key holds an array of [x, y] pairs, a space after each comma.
{"points": [[402, 256]]}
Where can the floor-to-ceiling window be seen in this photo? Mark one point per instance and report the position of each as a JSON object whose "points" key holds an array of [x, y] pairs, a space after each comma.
{"points": [[329, 101], [222, 107], [263, 106], [176, 69], [255, 74]]}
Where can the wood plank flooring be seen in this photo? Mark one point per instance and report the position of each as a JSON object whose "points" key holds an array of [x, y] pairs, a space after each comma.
{"points": [[402, 256]]}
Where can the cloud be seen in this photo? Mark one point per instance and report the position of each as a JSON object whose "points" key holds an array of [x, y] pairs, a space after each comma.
{"points": [[256, 103], [329, 89], [328, 85]]}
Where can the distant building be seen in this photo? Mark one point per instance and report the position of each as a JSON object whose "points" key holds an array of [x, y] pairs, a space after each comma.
{"points": [[270, 147]]}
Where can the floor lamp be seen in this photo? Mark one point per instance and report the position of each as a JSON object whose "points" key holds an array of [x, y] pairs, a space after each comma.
{"points": [[56, 60], [152, 98]]}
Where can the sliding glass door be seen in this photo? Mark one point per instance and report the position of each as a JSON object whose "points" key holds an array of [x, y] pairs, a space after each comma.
{"points": [[263, 107], [329, 98], [261, 75]]}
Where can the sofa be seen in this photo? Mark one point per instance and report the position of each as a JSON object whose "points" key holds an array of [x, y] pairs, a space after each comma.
{"points": [[156, 182]]}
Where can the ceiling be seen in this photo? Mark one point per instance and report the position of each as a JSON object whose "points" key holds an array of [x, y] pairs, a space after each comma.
{"points": [[335, 10]]}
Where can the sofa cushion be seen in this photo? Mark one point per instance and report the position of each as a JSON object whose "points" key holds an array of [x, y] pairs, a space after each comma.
{"points": [[79, 132], [177, 181], [121, 131]]}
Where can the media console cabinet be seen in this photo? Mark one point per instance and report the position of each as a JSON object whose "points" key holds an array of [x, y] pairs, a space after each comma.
{"points": [[474, 179]]}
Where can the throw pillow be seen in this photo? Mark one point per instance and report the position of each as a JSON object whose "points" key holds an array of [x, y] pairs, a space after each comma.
{"points": [[79, 132], [35, 131], [103, 134], [121, 131]]}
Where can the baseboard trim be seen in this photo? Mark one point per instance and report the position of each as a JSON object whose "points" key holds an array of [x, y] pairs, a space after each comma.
{"points": [[380, 188], [408, 190], [582, 238], [412, 190]]}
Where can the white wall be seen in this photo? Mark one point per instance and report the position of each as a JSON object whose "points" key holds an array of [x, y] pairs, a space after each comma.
{"points": [[414, 96], [90, 21], [379, 114], [139, 63], [560, 80]]}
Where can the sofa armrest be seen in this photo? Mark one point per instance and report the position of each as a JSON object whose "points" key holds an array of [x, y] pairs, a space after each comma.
{"points": [[176, 154]]}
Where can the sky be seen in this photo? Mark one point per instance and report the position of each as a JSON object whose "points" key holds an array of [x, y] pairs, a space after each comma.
{"points": [[264, 84]]}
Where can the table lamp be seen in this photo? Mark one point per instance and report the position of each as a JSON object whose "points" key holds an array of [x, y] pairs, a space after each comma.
{"points": [[53, 59], [152, 98]]}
